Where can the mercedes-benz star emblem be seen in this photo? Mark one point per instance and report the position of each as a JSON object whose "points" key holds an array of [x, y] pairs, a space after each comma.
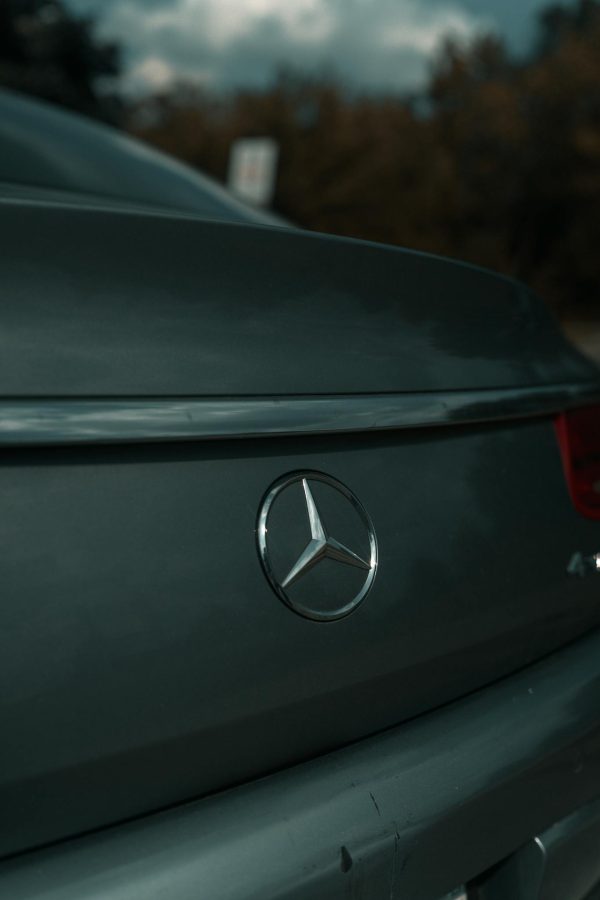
{"points": [[317, 545]]}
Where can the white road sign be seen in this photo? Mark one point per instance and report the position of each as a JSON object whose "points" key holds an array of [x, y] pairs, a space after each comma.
{"points": [[253, 169]]}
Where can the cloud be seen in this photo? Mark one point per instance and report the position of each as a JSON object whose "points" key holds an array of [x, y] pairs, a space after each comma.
{"points": [[514, 19], [151, 72], [373, 44]]}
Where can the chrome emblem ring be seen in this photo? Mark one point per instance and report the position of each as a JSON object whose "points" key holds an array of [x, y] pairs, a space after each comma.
{"points": [[317, 545]]}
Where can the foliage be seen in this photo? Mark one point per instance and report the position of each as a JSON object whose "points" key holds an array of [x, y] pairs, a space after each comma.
{"points": [[500, 166], [48, 51]]}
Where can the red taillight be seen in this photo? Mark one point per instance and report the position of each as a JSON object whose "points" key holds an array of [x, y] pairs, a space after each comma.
{"points": [[578, 434]]}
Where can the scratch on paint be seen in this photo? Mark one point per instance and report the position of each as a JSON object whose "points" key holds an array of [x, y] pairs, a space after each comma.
{"points": [[394, 864], [375, 804]]}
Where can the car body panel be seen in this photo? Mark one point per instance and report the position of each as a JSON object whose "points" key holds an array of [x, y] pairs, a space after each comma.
{"points": [[407, 814], [142, 645], [107, 303], [46, 148]]}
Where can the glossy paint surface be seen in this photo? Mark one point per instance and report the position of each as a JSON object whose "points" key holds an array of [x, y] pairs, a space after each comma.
{"points": [[99, 303], [145, 659], [561, 863], [407, 814], [71, 421], [46, 148]]}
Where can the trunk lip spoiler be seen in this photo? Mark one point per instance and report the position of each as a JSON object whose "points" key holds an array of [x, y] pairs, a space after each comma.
{"points": [[43, 421]]}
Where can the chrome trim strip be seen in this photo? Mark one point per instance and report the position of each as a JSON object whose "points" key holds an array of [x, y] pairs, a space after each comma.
{"points": [[82, 421]]}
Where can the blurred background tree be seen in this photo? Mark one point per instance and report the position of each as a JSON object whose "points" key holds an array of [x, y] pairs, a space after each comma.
{"points": [[497, 161], [48, 51]]}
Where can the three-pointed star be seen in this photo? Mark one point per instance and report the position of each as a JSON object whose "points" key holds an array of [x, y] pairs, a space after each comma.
{"points": [[320, 546]]}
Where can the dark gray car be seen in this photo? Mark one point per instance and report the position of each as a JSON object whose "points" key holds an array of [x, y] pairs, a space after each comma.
{"points": [[299, 551]]}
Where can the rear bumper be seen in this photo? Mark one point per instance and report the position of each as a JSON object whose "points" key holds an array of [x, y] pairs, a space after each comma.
{"points": [[417, 810]]}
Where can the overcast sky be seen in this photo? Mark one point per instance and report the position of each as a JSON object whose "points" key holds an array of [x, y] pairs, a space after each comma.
{"points": [[224, 43]]}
